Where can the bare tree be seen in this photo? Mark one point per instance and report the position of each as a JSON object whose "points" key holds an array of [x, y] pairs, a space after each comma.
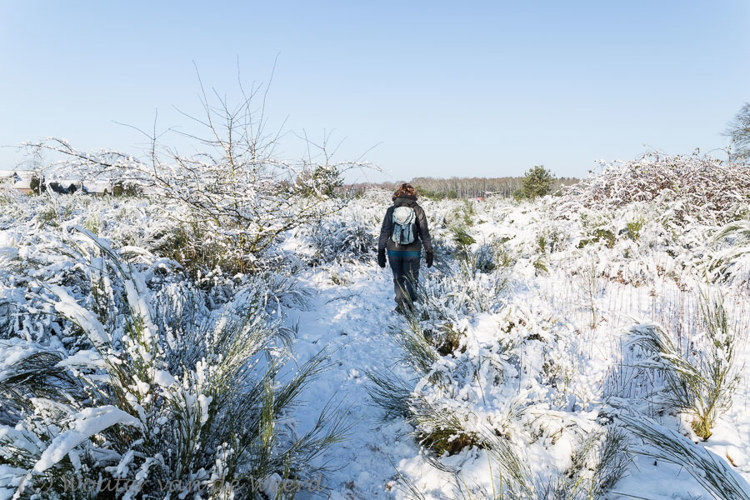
{"points": [[739, 131], [235, 185]]}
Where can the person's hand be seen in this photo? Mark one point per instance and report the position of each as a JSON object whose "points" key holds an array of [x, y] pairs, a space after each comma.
{"points": [[381, 258], [429, 258]]}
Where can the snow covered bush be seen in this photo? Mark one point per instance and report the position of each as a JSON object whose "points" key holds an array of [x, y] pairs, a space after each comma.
{"points": [[347, 236], [236, 197], [160, 393], [690, 188]]}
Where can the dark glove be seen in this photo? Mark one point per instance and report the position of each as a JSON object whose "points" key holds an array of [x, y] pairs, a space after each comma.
{"points": [[381, 258], [429, 258]]}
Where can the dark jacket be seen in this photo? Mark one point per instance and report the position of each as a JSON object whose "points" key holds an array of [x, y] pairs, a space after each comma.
{"points": [[422, 238]]}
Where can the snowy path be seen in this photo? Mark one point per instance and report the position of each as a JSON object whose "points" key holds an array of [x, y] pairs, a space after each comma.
{"points": [[352, 319]]}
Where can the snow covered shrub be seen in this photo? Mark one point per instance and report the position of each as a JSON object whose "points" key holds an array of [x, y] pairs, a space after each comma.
{"points": [[199, 250], [441, 430], [634, 228], [604, 236], [437, 427], [454, 213], [444, 299], [462, 290], [701, 381], [438, 423], [598, 459], [690, 188], [344, 237], [597, 228], [452, 235], [484, 258], [234, 189], [163, 396]]}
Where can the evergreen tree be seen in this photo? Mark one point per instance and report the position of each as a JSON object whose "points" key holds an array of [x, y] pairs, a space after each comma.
{"points": [[536, 182]]}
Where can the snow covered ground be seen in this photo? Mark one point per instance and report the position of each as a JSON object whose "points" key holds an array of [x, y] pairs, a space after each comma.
{"points": [[356, 319], [523, 373]]}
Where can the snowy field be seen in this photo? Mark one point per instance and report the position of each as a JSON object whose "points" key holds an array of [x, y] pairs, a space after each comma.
{"points": [[592, 344]]}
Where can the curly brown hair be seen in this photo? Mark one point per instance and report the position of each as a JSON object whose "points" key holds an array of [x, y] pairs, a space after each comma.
{"points": [[405, 191]]}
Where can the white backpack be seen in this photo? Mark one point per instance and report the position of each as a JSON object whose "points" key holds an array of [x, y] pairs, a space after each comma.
{"points": [[403, 224]]}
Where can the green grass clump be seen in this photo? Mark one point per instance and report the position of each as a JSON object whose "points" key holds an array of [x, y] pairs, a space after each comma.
{"points": [[703, 383], [634, 229], [599, 235], [462, 237]]}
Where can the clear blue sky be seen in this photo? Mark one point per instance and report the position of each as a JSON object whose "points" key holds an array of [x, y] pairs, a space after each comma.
{"points": [[439, 88]]}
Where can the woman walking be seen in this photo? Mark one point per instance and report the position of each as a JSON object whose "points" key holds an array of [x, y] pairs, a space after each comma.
{"points": [[403, 234]]}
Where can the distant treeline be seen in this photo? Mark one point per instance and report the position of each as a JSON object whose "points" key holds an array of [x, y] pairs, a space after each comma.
{"points": [[457, 187]]}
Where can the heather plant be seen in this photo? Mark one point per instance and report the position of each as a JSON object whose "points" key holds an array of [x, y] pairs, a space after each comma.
{"points": [[634, 229], [688, 188]]}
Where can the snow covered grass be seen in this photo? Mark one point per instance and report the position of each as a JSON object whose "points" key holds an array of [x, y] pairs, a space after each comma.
{"points": [[731, 261], [704, 380], [163, 391], [709, 470], [516, 376]]}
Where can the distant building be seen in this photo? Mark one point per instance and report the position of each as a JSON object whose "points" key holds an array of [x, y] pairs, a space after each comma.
{"points": [[30, 182], [22, 181], [99, 187]]}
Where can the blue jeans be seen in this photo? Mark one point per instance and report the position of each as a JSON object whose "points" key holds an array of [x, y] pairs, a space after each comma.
{"points": [[405, 267]]}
